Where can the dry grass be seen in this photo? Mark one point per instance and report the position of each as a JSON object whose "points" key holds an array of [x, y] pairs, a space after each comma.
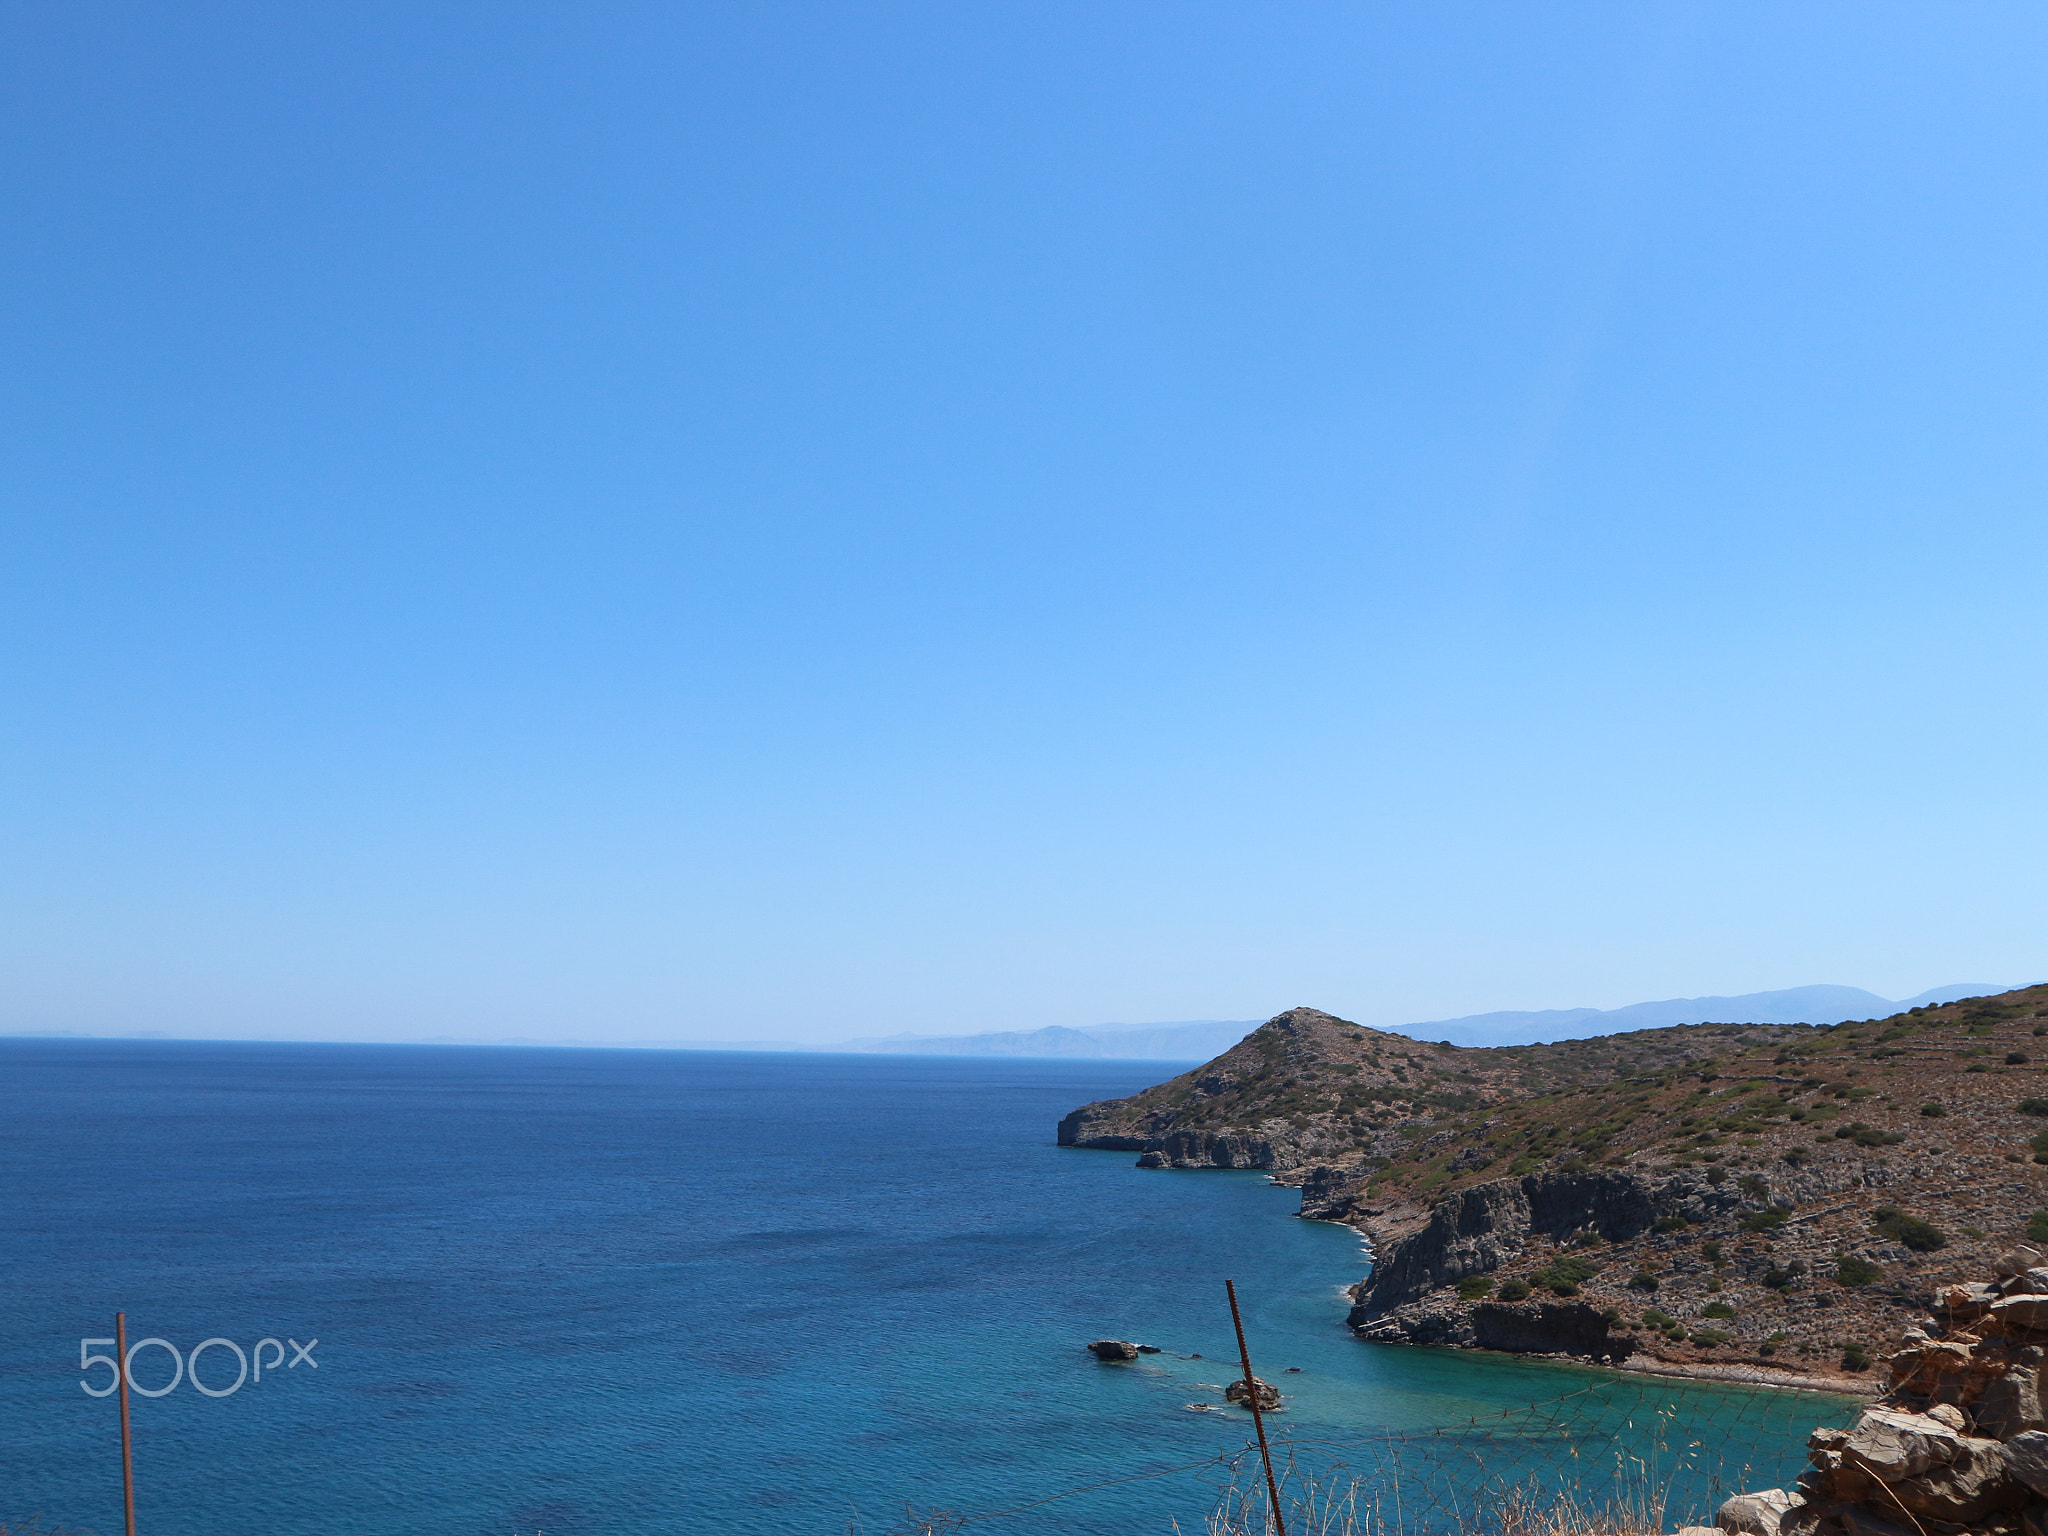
{"points": [[1342, 1502]]}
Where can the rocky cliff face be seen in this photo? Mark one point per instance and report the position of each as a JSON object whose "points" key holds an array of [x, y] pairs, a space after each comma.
{"points": [[1488, 1226]]}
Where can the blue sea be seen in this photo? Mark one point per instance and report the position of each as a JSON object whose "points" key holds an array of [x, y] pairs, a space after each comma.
{"points": [[585, 1291]]}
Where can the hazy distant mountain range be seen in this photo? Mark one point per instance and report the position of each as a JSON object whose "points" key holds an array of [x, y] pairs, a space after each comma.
{"points": [[1794, 1005], [1202, 1039], [1195, 1040]]}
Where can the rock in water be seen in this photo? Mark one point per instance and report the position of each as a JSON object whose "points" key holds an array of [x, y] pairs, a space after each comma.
{"points": [[1113, 1349], [1269, 1395]]}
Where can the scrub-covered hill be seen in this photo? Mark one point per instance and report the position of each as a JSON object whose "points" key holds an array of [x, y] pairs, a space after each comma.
{"points": [[1717, 1201], [1305, 1088]]}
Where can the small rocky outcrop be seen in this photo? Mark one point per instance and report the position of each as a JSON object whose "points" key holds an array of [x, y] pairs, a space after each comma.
{"points": [[1113, 1349], [1269, 1395], [1958, 1444]]}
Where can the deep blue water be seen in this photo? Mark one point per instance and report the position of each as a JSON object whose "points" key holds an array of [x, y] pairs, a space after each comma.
{"points": [[605, 1291]]}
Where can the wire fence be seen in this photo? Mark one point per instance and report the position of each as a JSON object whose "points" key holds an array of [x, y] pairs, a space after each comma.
{"points": [[1616, 1457]]}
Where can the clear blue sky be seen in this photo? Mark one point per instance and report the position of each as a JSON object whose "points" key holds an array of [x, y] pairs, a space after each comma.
{"points": [[660, 521]]}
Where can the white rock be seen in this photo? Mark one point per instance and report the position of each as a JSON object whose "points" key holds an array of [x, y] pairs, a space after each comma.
{"points": [[1756, 1514], [1891, 1445]]}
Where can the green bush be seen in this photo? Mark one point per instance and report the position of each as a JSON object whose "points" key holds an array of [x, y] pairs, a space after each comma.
{"points": [[1717, 1174], [1513, 1290], [1565, 1275], [1918, 1235], [1781, 1277], [1669, 1224], [1866, 1135], [1711, 1338], [2017, 1058], [1855, 1358], [1934, 1111], [1643, 1280], [1472, 1287], [1766, 1221], [1854, 1270], [2037, 1227], [1657, 1318], [1717, 1309], [1711, 1252], [1797, 1157]]}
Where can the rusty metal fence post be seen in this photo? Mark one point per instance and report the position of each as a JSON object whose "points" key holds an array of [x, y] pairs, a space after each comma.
{"points": [[1251, 1396], [127, 1455]]}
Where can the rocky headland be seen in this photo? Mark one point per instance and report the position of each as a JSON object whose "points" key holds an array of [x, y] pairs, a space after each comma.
{"points": [[1766, 1202]]}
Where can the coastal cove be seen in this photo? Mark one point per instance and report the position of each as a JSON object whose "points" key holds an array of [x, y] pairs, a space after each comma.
{"points": [[612, 1291]]}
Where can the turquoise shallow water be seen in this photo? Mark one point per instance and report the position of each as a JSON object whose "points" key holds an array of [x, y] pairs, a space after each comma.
{"points": [[596, 1291]]}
